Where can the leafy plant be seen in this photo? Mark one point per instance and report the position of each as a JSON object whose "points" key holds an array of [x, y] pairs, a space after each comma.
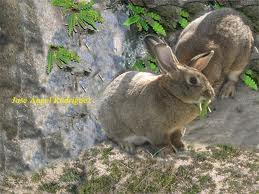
{"points": [[217, 5], [144, 19], [61, 56], [80, 14], [184, 19], [250, 78], [204, 109], [148, 64]]}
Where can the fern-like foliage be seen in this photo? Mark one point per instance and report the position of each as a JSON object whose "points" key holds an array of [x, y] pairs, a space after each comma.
{"points": [[250, 79], [184, 19], [217, 5], [60, 56], [80, 14], [148, 64], [145, 20]]}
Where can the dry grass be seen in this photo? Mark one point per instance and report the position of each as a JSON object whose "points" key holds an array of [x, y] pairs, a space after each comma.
{"points": [[104, 168]]}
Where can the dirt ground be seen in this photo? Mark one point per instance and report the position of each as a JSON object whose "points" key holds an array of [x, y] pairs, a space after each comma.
{"points": [[232, 121]]}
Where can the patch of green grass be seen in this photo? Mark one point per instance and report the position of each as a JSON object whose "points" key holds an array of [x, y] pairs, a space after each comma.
{"points": [[200, 156], [70, 175], [205, 180], [223, 152], [193, 190], [36, 177], [106, 152], [50, 187], [96, 185]]}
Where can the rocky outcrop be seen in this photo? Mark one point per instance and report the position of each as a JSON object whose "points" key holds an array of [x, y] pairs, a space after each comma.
{"points": [[33, 135]]}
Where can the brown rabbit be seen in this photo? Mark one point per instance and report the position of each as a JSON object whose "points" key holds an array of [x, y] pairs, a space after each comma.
{"points": [[226, 33], [139, 107]]}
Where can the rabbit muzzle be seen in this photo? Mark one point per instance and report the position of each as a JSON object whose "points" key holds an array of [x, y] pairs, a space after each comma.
{"points": [[208, 94]]}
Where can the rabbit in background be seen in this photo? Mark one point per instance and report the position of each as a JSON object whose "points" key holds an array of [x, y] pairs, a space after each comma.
{"points": [[226, 33], [139, 107]]}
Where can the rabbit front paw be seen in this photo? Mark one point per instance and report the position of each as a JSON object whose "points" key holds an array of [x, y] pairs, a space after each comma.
{"points": [[228, 90]]}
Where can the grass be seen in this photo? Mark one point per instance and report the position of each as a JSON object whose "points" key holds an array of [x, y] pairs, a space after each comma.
{"points": [[105, 168], [50, 187], [70, 175]]}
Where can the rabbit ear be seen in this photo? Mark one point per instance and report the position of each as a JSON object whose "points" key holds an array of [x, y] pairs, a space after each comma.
{"points": [[166, 58], [201, 61], [167, 61]]}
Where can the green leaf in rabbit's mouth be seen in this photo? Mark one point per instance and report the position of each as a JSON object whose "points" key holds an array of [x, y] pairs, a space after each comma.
{"points": [[204, 108]]}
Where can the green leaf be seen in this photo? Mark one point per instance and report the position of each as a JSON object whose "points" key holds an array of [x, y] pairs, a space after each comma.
{"points": [[249, 72], [154, 16], [139, 65], [61, 56], [217, 6], [82, 23], [72, 22], [153, 67], [63, 3], [50, 61], [144, 24], [132, 20], [158, 28], [185, 14], [136, 9], [204, 108], [250, 82], [183, 22]]}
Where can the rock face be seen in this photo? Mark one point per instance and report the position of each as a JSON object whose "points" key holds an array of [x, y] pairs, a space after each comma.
{"points": [[33, 135]]}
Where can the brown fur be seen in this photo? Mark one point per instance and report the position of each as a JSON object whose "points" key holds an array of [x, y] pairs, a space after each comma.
{"points": [[226, 32], [152, 106]]}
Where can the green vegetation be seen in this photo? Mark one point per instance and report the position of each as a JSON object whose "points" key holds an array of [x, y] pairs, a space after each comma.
{"points": [[36, 177], [70, 175], [217, 5], [204, 109], [60, 56], [250, 78], [50, 187], [148, 64], [224, 152], [105, 169], [80, 14], [144, 19], [184, 19]]}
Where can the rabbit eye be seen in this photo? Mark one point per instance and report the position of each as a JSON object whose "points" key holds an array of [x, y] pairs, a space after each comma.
{"points": [[193, 80]]}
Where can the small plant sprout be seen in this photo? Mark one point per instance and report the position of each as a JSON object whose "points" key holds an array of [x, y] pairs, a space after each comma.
{"points": [[79, 14], [144, 19], [60, 56]]}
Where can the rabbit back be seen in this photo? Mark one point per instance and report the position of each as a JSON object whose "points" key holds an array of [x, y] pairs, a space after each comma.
{"points": [[226, 32]]}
